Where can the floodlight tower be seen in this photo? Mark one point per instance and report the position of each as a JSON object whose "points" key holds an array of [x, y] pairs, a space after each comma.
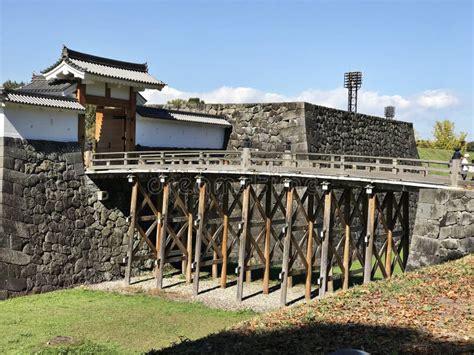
{"points": [[389, 112], [352, 82]]}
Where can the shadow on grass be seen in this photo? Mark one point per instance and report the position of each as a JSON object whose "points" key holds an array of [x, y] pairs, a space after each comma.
{"points": [[319, 338]]}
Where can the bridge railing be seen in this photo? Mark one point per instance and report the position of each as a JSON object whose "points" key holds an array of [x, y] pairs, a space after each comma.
{"points": [[248, 160]]}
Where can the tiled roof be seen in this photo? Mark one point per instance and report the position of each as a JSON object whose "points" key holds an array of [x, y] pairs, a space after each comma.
{"points": [[184, 116], [107, 67], [35, 99], [39, 84]]}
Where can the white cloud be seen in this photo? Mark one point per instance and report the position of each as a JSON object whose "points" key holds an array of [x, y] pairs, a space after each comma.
{"points": [[422, 108], [436, 99]]}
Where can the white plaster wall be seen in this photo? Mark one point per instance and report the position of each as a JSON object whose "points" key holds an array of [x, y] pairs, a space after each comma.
{"points": [[29, 122], [97, 89], [121, 92], [2, 121], [153, 132]]}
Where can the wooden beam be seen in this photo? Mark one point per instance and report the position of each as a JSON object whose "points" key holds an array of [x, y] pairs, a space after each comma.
{"points": [[243, 241], [164, 230], [287, 246], [369, 238], [389, 221], [81, 122], [131, 232], [268, 232], [309, 246], [323, 274], [199, 235], [105, 101], [347, 237], [225, 232]]}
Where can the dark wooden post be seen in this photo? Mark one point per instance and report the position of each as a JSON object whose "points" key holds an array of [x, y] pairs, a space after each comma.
{"points": [[197, 255], [225, 232], [389, 221], [309, 246], [406, 227], [164, 234], [131, 231], [243, 241], [286, 246], [323, 274], [189, 242], [347, 237], [369, 238], [268, 226]]}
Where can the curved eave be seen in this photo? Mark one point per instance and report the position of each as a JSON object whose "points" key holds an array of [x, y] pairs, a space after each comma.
{"points": [[66, 68]]}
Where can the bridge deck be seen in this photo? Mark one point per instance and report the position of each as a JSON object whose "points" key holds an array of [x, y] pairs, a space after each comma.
{"points": [[401, 172]]}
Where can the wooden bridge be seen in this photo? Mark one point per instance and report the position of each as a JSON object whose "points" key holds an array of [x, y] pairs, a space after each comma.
{"points": [[338, 218]]}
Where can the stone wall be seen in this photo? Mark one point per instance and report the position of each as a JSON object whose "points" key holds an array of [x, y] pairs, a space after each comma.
{"points": [[53, 231], [444, 227], [312, 128]]}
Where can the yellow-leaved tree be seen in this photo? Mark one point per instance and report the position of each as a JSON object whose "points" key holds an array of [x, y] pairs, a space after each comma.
{"points": [[446, 138]]}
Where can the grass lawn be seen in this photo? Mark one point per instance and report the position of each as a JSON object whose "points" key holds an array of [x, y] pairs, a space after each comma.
{"points": [[438, 154], [85, 321]]}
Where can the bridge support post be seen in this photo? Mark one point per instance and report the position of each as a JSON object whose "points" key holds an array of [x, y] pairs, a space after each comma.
{"points": [[347, 237], [243, 241], [369, 238], [406, 227], [197, 256], [225, 232], [268, 230], [309, 246], [389, 222], [164, 230], [286, 246], [131, 232], [189, 241], [325, 235], [159, 230]]}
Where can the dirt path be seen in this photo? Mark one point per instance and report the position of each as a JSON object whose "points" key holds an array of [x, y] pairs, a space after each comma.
{"points": [[211, 294]]}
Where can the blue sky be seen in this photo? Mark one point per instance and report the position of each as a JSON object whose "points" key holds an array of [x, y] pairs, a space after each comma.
{"points": [[416, 55]]}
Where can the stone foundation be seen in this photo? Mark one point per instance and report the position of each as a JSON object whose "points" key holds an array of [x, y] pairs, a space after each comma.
{"points": [[53, 231], [444, 227]]}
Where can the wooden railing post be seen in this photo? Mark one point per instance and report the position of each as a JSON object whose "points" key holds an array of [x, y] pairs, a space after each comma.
{"points": [[342, 163], [454, 173], [246, 161], [131, 231], [394, 166]]}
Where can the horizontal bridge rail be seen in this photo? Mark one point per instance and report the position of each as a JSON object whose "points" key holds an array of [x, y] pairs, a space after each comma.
{"points": [[286, 163]]}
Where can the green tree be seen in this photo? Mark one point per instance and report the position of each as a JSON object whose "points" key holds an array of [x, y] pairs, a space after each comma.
{"points": [[446, 138], [10, 85], [177, 103], [195, 100]]}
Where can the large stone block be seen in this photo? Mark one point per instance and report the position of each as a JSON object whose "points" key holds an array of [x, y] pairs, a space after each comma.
{"points": [[15, 257]]}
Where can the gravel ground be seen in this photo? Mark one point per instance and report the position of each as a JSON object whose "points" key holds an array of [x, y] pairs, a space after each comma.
{"points": [[210, 292]]}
